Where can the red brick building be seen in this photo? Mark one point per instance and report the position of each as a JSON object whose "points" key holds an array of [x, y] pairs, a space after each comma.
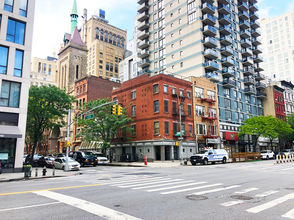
{"points": [[156, 118], [279, 102], [91, 88]]}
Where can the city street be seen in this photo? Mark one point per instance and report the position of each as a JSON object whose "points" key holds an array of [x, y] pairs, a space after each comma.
{"points": [[255, 190]]}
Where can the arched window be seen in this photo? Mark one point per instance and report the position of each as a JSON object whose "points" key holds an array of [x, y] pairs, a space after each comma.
{"points": [[118, 41], [97, 33], [122, 42], [110, 38], [101, 34], [77, 71], [114, 40], [106, 36]]}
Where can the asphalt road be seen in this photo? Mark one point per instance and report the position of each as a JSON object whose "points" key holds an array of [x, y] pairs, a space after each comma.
{"points": [[256, 190]]}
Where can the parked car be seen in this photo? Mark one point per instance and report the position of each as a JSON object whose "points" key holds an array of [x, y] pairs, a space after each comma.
{"points": [[267, 154], [100, 157], [51, 155], [60, 155], [35, 160], [286, 152], [84, 158], [59, 163], [45, 161], [211, 155]]}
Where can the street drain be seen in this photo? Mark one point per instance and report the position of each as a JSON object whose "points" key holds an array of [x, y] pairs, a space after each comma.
{"points": [[289, 188], [196, 197], [242, 197]]}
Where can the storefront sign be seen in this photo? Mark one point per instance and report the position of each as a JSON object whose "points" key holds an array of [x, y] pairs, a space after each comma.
{"points": [[213, 141], [126, 145], [3, 156], [232, 136], [148, 143]]}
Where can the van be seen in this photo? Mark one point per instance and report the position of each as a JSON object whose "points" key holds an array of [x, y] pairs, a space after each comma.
{"points": [[210, 156]]}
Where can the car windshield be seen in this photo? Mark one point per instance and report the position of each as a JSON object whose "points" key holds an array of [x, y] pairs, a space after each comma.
{"points": [[285, 151], [203, 152], [263, 152], [99, 155], [69, 160], [49, 158], [89, 154]]}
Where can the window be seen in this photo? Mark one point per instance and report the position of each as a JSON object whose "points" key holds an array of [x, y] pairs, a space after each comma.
{"points": [[201, 129], [190, 129], [15, 31], [134, 130], [181, 53], [101, 55], [133, 94], [181, 64], [180, 31], [3, 60], [166, 106], [39, 67], [107, 65], [191, 6], [156, 106], [49, 70], [77, 71], [116, 68], [44, 68], [200, 110], [181, 42], [18, 63], [166, 127], [156, 127], [111, 67], [180, 21], [165, 88], [190, 110], [180, 10], [175, 127], [10, 93], [199, 92], [133, 111], [9, 119], [192, 17], [188, 94], [23, 8], [155, 88], [8, 5]]}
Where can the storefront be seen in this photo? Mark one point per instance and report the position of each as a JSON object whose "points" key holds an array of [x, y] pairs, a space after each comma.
{"points": [[230, 141]]}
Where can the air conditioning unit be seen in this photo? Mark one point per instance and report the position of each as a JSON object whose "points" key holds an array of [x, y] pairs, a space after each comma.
{"points": [[174, 91]]}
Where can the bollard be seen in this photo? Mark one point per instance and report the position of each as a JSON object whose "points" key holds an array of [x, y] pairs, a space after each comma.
{"points": [[36, 174], [277, 158], [44, 171], [145, 160], [53, 171], [284, 158], [281, 159]]}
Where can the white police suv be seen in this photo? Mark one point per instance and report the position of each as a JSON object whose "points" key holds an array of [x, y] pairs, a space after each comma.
{"points": [[210, 155]]}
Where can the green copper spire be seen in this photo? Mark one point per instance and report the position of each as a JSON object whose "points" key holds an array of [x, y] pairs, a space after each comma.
{"points": [[74, 16]]}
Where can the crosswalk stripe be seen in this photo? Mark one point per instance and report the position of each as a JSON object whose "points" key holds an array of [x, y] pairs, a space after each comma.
{"points": [[189, 189], [261, 195], [289, 214], [132, 181], [288, 168], [148, 183], [173, 187], [231, 203], [246, 190], [215, 190], [271, 204], [172, 182]]}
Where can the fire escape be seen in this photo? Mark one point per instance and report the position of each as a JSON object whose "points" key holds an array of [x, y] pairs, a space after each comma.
{"points": [[210, 117], [179, 110]]}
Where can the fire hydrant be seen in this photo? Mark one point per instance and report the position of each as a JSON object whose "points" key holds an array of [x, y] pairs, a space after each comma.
{"points": [[44, 171]]}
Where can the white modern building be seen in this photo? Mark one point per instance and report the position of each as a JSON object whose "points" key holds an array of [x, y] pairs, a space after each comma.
{"points": [[17, 17], [278, 47]]}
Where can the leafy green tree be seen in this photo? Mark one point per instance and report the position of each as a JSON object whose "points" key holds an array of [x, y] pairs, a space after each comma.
{"points": [[289, 137], [104, 127], [46, 107]]}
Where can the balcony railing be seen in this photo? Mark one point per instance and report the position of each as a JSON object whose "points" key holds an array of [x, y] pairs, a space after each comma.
{"points": [[247, 59], [245, 31], [227, 38], [224, 19], [211, 51], [143, 71], [211, 40], [212, 63], [244, 22], [259, 84], [248, 70], [243, 6], [246, 50], [243, 13], [261, 94], [229, 82], [209, 28], [227, 60], [224, 9], [226, 29], [228, 49], [212, 76], [208, 16], [249, 80], [207, 8], [250, 90], [229, 72]]}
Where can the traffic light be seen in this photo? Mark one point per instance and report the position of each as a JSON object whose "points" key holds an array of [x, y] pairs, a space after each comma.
{"points": [[114, 109], [61, 144], [119, 110]]}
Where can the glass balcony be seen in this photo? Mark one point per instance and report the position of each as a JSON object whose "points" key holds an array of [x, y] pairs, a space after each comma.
{"points": [[253, 7], [255, 33], [143, 25], [259, 76], [229, 83], [249, 81], [254, 16], [208, 1], [256, 41], [258, 68], [246, 52], [144, 53], [208, 19], [257, 49], [212, 76], [245, 33], [247, 61], [242, 6], [244, 24], [143, 71], [260, 85], [228, 72], [227, 51], [243, 15], [143, 34], [210, 54], [225, 30], [249, 91], [225, 2], [143, 16], [247, 71], [223, 9], [211, 65], [226, 61], [257, 58], [261, 95], [141, 1], [226, 40], [144, 63], [209, 31], [210, 42], [224, 19], [208, 9], [142, 8], [254, 24], [245, 43], [143, 44]]}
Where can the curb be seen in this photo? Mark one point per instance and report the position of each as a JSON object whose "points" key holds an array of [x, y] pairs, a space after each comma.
{"points": [[31, 178]]}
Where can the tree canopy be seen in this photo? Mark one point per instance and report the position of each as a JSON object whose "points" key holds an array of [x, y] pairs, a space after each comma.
{"points": [[104, 127], [289, 137], [46, 107]]}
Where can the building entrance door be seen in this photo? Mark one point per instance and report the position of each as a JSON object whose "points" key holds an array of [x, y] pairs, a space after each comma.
{"points": [[167, 153], [157, 153]]}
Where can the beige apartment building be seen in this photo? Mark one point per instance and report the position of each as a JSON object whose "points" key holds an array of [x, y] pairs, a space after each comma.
{"points": [[278, 47], [43, 71]]}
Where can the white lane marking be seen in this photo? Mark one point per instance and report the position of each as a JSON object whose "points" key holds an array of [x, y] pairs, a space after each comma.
{"points": [[90, 207], [261, 195], [216, 190], [147, 183], [173, 187], [289, 214], [291, 168], [231, 203], [30, 206], [132, 181], [189, 189], [172, 182], [271, 204], [246, 190]]}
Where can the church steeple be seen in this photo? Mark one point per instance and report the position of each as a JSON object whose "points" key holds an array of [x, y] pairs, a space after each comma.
{"points": [[74, 16]]}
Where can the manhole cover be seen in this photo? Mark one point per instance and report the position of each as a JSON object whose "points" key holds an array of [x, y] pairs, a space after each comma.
{"points": [[196, 197], [142, 173], [242, 197], [289, 188]]}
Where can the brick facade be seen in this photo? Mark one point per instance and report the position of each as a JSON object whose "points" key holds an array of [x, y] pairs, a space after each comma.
{"points": [[279, 102]]}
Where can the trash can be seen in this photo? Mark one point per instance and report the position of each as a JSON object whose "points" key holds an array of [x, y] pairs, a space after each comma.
{"points": [[27, 170]]}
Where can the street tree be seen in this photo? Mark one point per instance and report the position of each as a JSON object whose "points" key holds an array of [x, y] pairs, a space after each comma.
{"points": [[104, 126], [46, 107], [289, 137]]}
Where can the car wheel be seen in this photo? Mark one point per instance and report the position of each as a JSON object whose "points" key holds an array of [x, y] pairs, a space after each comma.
{"points": [[224, 160], [193, 164], [205, 162], [267, 157], [63, 168], [274, 156], [82, 164], [213, 162]]}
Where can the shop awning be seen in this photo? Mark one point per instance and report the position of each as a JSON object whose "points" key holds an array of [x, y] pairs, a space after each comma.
{"points": [[10, 132]]}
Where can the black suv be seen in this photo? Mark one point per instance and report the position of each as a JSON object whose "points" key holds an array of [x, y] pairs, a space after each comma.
{"points": [[84, 158]]}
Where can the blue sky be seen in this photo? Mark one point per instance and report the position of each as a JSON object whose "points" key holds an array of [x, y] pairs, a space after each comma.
{"points": [[52, 18]]}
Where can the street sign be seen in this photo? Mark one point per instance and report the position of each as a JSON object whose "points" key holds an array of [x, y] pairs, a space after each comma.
{"points": [[180, 138], [91, 116], [178, 134]]}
